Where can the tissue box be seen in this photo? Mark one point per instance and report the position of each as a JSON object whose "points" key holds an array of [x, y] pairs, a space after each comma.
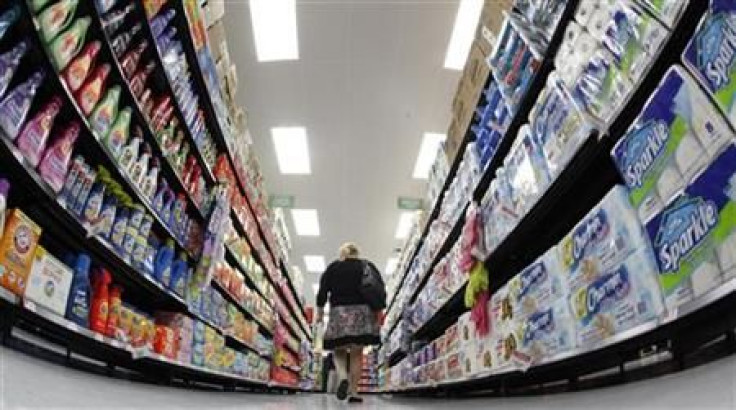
{"points": [[602, 240], [49, 282], [546, 332], [617, 300], [710, 55], [694, 237], [672, 140], [537, 286]]}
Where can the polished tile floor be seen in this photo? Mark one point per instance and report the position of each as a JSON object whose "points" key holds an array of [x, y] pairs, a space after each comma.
{"points": [[30, 383]]}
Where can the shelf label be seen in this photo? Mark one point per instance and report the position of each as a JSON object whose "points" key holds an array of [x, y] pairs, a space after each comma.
{"points": [[281, 201], [410, 204]]}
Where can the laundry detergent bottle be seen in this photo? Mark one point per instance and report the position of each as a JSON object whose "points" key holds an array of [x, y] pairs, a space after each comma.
{"points": [[32, 139], [55, 162], [179, 275], [100, 301], [78, 70], [91, 92], [163, 262], [9, 63], [113, 316], [14, 107], [77, 308], [56, 18], [68, 44], [105, 113]]}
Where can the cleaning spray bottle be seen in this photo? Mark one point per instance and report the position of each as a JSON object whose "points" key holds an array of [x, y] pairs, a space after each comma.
{"points": [[130, 60], [100, 301], [32, 139], [9, 63], [78, 70], [129, 153], [14, 108], [56, 18], [67, 44], [138, 82], [162, 265], [77, 308], [55, 162]]}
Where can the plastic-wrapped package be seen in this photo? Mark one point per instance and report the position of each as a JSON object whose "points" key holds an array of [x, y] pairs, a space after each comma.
{"points": [[527, 172], [673, 139], [711, 55], [547, 332], [669, 11], [694, 237], [538, 285]]}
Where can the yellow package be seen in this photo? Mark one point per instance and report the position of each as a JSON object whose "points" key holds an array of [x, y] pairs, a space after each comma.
{"points": [[17, 248]]}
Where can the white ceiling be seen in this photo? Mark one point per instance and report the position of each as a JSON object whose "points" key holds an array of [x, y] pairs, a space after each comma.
{"points": [[368, 84]]}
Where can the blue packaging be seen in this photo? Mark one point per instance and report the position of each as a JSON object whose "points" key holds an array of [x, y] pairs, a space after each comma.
{"points": [[711, 55], [694, 237], [673, 139], [538, 286]]}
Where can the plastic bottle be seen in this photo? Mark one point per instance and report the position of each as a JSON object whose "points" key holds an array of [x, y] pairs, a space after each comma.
{"points": [[56, 18], [163, 262], [166, 210], [107, 215], [93, 206], [55, 162], [113, 316], [150, 258], [67, 44], [100, 301], [105, 113], [7, 20], [37, 5], [130, 60], [78, 70], [160, 22], [138, 82], [77, 307], [148, 187], [121, 43], [177, 214], [139, 168], [4, 191], [14, 108], [165, 39], [113, 21], [129, 153], [103, 6], [160, 198], [9, 63], [86, 182], [179, 274], [90, 93], [76, 170], [118, 135], [32, 139], [117, 235]]}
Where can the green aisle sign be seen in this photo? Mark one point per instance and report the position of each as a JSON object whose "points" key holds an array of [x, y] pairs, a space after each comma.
{"points": [[281, 201], [411, 204]]}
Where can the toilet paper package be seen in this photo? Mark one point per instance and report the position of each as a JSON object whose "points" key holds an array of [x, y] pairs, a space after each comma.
{"points": [[675, 137], [669, 11], [620, 298], [694, 237], [559, 127], [711, 55], [537, 286], [546, 332], [603, 239], [501, 309], [526, 170], [634, 37]]}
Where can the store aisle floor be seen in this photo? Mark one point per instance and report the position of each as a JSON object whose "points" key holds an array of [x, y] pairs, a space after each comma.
{"points": [[27, 383]]}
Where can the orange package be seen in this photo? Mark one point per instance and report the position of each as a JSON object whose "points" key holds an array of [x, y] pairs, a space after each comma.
{"points": [[17, 248]]}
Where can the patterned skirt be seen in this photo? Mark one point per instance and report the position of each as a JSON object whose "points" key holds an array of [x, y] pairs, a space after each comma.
{"points": [[351, 325]]}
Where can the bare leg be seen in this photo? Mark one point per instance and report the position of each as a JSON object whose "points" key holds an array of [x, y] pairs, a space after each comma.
{"points": [[341, 358], [356, 368]]}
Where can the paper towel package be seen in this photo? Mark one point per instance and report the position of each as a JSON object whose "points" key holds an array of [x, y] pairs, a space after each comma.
{"points": [[668, 11], [673, 139], [537, 286], [603, 239], [623, 297], [501, 310], [546, 332], [711, 55], [694, 237]]}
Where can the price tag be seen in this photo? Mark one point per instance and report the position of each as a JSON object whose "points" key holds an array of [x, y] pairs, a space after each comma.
{"points": [[29, 306], [99, 337]]}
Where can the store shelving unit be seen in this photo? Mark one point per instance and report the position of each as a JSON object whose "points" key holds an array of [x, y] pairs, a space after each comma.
{"points": [[64, 230], [664, 345]]}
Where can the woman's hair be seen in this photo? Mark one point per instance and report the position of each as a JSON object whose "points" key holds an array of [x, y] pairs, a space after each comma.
{"points": [[349, 250]]}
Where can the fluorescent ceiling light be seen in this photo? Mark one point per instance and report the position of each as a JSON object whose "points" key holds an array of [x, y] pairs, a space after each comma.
{"points": [[391, 266], [427, 154], [274, 29], [292, 151], [306, 222], [406, 220], [314, 263], [466, 22]]}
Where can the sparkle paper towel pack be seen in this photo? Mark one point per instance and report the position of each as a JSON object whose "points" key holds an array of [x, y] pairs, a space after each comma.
{"points": [[694, 237], [711, 54], [675, 137]]}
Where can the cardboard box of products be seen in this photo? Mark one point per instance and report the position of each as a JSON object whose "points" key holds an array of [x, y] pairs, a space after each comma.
{"points": [[476, 71], [217, 38], [491, 21], [49, 282]]}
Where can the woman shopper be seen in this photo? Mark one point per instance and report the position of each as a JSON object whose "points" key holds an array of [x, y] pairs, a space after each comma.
{"points": [[354, 315]]}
